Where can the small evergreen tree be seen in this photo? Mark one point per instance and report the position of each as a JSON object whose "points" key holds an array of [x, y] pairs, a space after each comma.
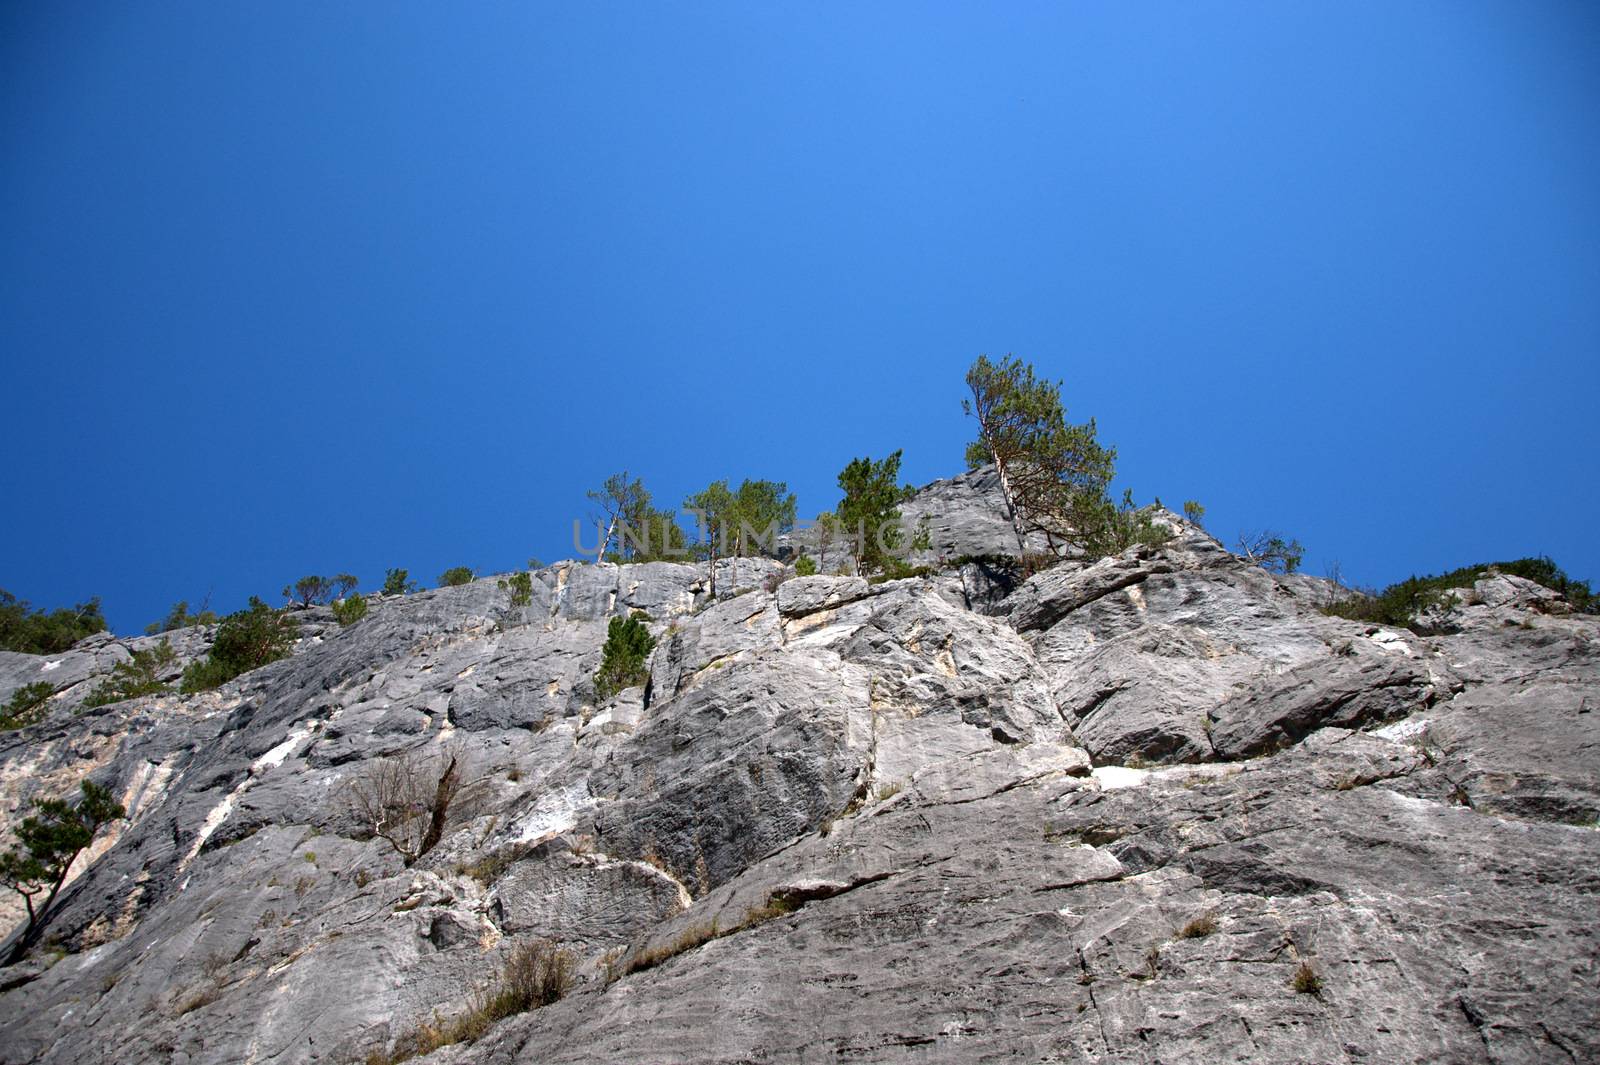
{"points": [[398, 582], [1194, 512], [714, 508], [659, 539], [619, 501], [27, 706], [762, 510], [1106, 528], [246, 640], [805, 566], [827, 526], [49, 841], [520, 585], [622, 658], [139, 675], [350, 610], [870, 509]]}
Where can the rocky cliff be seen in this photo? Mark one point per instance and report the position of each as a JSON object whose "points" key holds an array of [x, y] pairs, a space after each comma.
{"points": [[1154, 809]]}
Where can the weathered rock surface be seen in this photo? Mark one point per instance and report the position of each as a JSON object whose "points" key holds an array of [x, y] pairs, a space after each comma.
{"points": [[1101, 815]]}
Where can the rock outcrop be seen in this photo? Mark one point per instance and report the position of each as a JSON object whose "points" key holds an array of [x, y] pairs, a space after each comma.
{"points": [[1103, 814]]}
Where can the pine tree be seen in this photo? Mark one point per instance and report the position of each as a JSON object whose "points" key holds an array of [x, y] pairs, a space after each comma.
{"points": [[714, 507], [1054, 475], [50, 840], [870, 509], [761, 511], [619, 501]]}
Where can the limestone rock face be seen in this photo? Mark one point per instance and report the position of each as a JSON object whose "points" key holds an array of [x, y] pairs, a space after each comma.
{"points": [[1102, 814]]}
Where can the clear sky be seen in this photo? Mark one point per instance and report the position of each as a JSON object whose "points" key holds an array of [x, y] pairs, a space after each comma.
{"points": [[306, 287]]}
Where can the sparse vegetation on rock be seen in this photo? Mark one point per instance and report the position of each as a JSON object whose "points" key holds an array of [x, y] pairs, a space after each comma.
{"points": [[533, 975], [1163, 753], [456, 576], [27, 706], [246, 640], [139, 675], [405, 799], [520, 587], [1404, 603], [180, 618], [349, 610]]}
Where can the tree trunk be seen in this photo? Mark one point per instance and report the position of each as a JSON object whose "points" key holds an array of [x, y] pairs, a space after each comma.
{"points": [[1012, 511], [36, 918], [711, 555], [442, 794]]}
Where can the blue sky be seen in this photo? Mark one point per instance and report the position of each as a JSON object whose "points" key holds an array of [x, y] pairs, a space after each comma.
{"points": [[299, 288]]}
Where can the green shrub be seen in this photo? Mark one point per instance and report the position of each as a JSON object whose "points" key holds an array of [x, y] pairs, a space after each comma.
{"points": [[1105, 528], [350, 610], [520, 585], [26, 707], [622, 659], [180, 618], [1305, 980], [1402, 603], [894, 569], [36, 632], [805, 566], [246, 640], [455, 576], [139, 675], [1543, 570], [1194, 512], [397, 582]]}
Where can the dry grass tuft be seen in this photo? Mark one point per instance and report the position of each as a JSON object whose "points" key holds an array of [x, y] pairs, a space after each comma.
{"points": [[1199, 928], [534, 974]]}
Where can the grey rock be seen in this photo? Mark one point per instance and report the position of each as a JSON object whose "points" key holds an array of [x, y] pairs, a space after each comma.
{"points": [[1524, 749], [806, 595], [911, 821], [1364, 686], [965, 516]]}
